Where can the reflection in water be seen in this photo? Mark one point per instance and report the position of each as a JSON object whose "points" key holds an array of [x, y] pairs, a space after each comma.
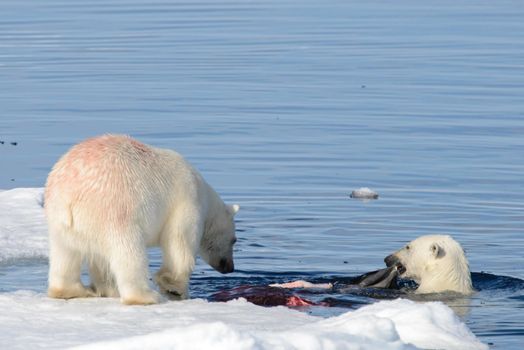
{"points": [[459, 303]]}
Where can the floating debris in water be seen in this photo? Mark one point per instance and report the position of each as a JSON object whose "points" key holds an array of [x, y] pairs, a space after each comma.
{"points": [[2, 142], [364, 193]]}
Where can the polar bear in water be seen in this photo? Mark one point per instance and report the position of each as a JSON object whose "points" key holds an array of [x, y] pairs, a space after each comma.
{"points": [[109, 198], [436, 262]]}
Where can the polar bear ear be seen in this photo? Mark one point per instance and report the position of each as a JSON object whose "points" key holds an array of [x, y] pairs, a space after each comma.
{"points": [[233, 209], [437, 251]]}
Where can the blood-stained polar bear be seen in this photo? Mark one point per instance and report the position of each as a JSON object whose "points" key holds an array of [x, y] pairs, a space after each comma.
{"points": [[109, 198]]}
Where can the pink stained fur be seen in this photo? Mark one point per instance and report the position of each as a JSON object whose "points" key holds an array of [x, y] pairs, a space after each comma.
{"points": [[93, 170]]}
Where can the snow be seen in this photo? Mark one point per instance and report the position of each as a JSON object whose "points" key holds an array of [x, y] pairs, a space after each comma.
{"points": [[29, 319]]}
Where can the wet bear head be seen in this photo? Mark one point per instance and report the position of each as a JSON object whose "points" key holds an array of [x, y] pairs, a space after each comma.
{"points": [[436, 262]]}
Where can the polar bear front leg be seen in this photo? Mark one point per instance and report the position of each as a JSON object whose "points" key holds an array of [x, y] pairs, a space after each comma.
{"points": [[65, 265], [179, 249], [175, 285], [129, 265]]}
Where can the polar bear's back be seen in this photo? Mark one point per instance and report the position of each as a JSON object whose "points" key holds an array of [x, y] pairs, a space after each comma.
{"points": [[116, 180]]}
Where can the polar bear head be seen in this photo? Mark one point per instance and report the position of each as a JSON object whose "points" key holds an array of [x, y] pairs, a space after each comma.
{"points": [[216, 246], [436, 262]]}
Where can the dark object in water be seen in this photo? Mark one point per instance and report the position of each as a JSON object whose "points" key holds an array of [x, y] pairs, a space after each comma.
{"points": [[273, 296], [384, 278]]}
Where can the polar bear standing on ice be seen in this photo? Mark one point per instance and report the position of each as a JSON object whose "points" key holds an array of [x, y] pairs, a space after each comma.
{"points": [[436, 262], [109, 198]]}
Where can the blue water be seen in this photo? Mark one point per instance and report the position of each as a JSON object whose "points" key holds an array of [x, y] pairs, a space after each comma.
{"points": [[285, 107]]}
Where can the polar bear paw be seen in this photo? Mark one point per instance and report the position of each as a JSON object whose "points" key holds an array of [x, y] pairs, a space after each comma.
{"points": [[70, 292], [141, 298], [173, 288]]}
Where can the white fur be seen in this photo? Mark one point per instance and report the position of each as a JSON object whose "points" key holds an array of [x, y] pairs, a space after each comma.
{"points": [[437, 263], [109, 198]]}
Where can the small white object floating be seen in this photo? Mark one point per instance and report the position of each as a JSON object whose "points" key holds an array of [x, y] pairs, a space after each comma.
{"points": [[364, 193]]}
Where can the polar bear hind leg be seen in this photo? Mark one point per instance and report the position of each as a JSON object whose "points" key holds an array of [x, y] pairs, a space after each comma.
{"points": [[128, 263], [65, 264]]}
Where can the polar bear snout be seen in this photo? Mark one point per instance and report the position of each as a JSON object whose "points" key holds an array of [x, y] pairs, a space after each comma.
{"points": [[391, 260], [225, 266]]}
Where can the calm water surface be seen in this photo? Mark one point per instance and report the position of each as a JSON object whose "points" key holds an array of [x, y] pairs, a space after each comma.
{"points": [[285, 107]]}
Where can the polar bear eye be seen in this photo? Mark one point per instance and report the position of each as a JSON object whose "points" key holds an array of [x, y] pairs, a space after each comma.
{"points": [[407, 247]]}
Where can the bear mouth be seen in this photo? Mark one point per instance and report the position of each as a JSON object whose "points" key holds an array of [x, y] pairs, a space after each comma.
{"points": [[393, 261], [400, 268]]}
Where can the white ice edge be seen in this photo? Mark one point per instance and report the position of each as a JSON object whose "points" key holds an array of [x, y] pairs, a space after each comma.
{"points": [[32, 320], [23, 230]]}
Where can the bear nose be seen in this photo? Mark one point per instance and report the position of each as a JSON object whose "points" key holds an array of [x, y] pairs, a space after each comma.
{"points": [[391, 260], [226, 266], [222, 263]]}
